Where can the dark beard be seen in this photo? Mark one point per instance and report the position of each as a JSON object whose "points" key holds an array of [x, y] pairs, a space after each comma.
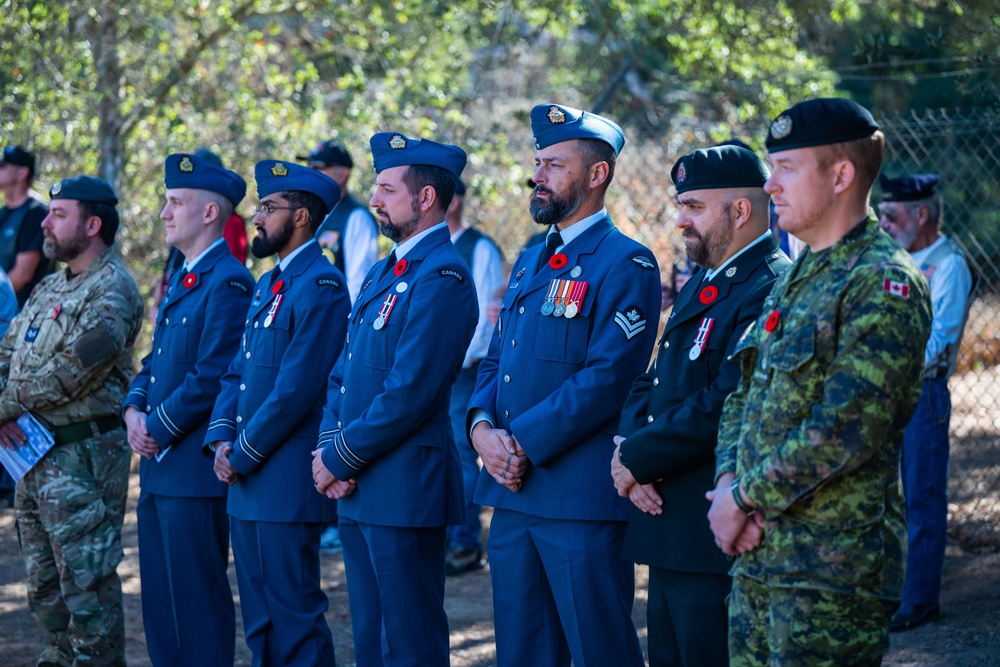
{"points": [[558, 209], [264, 246], [398, 232], [709, 251], [67, 250]]}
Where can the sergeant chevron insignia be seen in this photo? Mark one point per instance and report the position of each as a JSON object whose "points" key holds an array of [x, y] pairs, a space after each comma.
{"points": [[631, 320]]}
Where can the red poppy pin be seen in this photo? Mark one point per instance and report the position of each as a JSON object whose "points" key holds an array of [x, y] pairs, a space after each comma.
{"points": [[277, 286], [558, 261], [771, 323], [400, 268], [708, 294], [190, 280]]}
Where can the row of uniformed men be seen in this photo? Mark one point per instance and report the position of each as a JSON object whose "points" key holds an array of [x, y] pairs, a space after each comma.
{"points": [[370, 385]]}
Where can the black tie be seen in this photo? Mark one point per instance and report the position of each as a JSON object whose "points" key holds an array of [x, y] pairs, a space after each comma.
{"points": [[274, 276], [389, 263], [552, 241]]}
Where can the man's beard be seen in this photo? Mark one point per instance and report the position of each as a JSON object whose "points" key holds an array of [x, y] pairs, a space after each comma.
{"points": [[558, 208], [64, 251], [265, 246], [398, 232], [712, 246]]}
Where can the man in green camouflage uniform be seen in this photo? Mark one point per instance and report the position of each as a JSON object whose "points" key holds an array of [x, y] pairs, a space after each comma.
{"points": [[67, 359], [808, 488]]}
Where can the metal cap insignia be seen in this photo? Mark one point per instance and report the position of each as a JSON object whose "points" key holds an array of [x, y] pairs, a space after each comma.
{"points": [[279, 169], [556, 115], [682, 174], [56, 189], [397, 142], [186, 165], [781, 127]]}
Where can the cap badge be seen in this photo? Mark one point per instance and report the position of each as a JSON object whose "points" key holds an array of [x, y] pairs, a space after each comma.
{"points": [[397, 142], [186, 165], [56, 189], [682, 174], [781, 127], [556, 115], [279, 169]]}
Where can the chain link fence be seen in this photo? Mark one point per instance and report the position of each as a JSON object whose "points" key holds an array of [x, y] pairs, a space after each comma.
{"points": [[964, 148]]}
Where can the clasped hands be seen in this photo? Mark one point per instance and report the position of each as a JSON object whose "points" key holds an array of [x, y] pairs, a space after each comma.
{"points": [[139, 439], [736, 532], [502, 455], [326, 483], [643, 496]]}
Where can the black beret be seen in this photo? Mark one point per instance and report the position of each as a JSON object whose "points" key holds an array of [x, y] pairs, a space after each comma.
{"points": [[555, 123], [22, 157], [908, 188], [328, 153], [187, 170], [719, 167], [84, 188], [819, 122]]}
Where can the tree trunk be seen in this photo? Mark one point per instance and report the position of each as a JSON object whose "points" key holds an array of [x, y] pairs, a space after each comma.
{"points": [[108, 67]]}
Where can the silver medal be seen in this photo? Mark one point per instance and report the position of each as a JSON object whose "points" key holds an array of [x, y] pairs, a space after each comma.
{"points": [[401, 287], [547, 308], [558, 310], [268, 320], [379, 323], [571, 310], [694, 353]]}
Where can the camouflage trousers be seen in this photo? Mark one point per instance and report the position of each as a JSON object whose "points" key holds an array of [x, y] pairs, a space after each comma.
{"points": [[801, 627], [69, 509]]}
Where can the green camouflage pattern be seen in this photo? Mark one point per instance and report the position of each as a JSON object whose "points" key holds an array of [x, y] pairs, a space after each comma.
{"points": [[70, 508], [794, 627], [814, 430], [67, 357]]}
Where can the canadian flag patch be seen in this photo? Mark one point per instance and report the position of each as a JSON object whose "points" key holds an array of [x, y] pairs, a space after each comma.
{"points": [[896, 288]]}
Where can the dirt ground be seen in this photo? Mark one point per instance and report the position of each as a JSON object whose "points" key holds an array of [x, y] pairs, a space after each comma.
{"points": [[967, 634]]}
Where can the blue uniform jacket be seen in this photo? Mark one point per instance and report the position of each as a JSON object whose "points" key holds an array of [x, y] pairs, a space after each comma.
{"points": [[558, 384], [272, 396], [386, 420], [197, 334]]}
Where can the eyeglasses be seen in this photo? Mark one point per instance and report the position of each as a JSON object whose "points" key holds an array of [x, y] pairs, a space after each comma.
{"points": [[889, 214], [265, 210]]}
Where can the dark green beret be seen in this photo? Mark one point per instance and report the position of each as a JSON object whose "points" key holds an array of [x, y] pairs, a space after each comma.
{"points": [[719, 167], [84, 188], [819, 122]]}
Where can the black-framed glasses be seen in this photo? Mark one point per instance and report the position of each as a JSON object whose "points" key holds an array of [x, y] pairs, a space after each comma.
{"points": [[265, 210], [889, 214]]}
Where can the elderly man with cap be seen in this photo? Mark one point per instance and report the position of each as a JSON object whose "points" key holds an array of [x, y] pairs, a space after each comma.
{"points": [[483, 257], [810, 440], [671, 419], [572, 337], [21, 235], [911, 214], [348, 235], [386, 446], [187, 603], [267, 415], [67, 359]]}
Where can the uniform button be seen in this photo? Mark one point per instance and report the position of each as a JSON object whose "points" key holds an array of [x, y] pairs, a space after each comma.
{"points": [[160, 351], [184, 320], [656, 381], [666, 344], [166, 321], [239, 420], [248, 355], [243, 387], [348, 340], [340, 425], [350, 355], [521, 310], [506, 413], [256, 324], [506, 378], [152, 379], [649, 419], [361, 321], [343, 390], [149, 409], [513, 343], [247, 323]]}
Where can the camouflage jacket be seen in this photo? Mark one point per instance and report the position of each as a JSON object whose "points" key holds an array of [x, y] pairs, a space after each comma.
{"points": [[831, 376], [67, 356]]}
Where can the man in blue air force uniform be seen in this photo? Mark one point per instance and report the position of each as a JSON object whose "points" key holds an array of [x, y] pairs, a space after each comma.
{"points": [[671, 419], [266, 418], [573, 335], [386, 439], [187, 604]]}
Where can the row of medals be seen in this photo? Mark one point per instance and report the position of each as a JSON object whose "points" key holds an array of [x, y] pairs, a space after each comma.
{"points": [[565, 305]]}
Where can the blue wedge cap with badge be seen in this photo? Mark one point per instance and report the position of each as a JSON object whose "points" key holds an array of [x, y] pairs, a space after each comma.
{"points": [[84, 188], [191, 170], [908, 188], [819, 122], [279, 176], [392, 149], [719, 167], [555, 123]]}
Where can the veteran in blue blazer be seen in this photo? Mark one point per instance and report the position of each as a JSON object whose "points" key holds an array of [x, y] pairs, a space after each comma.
{"points": [[577, 325], [187, 604], [671, 418], [267, 416], [386, 437]]}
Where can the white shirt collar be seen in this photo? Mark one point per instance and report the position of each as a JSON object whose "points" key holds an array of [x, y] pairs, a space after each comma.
{"points": [[577, 228], [283, 264], [190, 264]]}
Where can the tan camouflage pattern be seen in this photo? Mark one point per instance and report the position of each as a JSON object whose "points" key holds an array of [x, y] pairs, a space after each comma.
{"points": [[807, 628], [67, 358], [815, 429], [79, 365]]}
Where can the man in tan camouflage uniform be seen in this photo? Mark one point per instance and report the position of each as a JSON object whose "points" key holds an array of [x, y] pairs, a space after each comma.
{"points": [[810, 441], [67, 359]]}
